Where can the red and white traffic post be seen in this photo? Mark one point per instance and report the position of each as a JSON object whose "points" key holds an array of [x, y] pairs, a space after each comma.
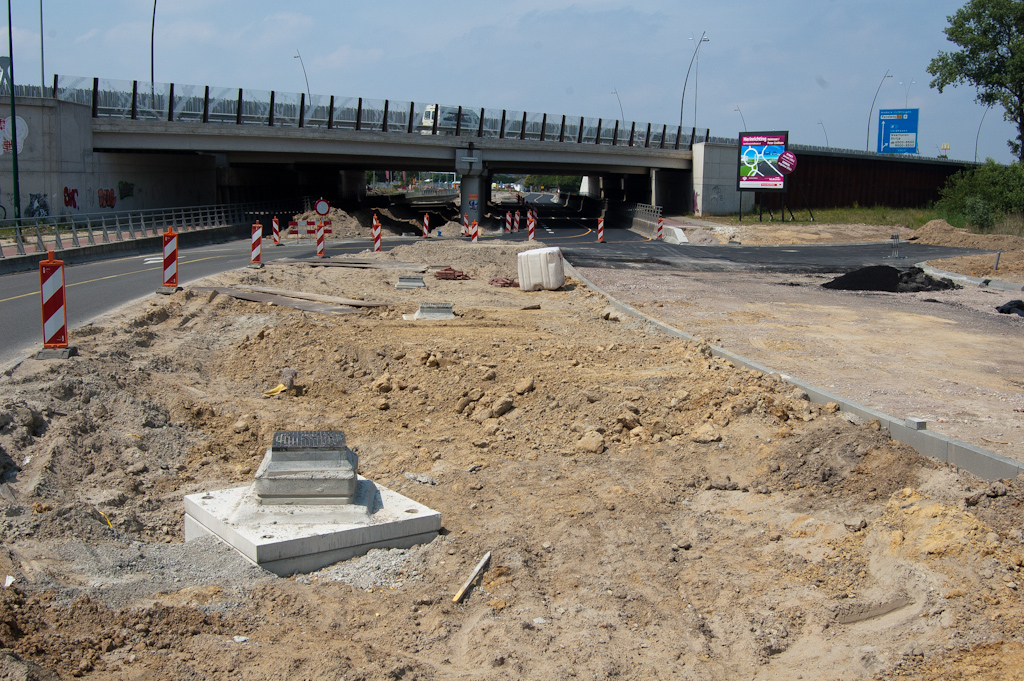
{"points": [[51, 290], [277, 232], [257, 246], [465, 224], [474, 231], [508, 222], [530, 222], [515, 225], [600, 230], [170, 261], [661, 227], [426, 225], [376, 233], [320, 249]]}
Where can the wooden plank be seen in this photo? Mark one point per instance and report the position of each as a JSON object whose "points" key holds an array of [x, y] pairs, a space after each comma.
{"points": [[472, 578], [283, 301], [311, 296], [355, 263]]}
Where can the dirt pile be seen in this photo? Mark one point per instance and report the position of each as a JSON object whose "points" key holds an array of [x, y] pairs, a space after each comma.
{"points": [[651, 510], [886, 278]]}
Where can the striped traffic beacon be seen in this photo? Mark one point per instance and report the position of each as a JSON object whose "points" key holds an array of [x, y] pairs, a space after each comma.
{"points": [[474, 231], [51, 289], [376, 233], [530, 223], [508, 222], [257, 244], [321, 250], [170, 259], [515, 225], [661, 227], [465, 224], [600, 231], [277, 232], [426, 225]]}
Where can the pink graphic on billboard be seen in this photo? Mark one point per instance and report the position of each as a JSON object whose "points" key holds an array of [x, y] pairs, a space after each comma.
{"points": [[787, 162]]}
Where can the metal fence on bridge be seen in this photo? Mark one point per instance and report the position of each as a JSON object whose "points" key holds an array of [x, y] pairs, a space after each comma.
{"points": [[56, 233], [171, 102]]}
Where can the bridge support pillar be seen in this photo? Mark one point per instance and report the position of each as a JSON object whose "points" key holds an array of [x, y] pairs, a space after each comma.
{"points": [[352, 186], [476, 182]]}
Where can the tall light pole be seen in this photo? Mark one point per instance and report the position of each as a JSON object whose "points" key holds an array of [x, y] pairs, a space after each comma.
{"points": [[906, 93], [737, 109], [703, 39], [616, 93], [978, 136], [42, 64], [152, 36], [867, 138], [826, 134], [16, 189], [299, 57]]}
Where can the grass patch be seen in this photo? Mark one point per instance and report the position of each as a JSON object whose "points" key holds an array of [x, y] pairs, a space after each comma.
{"points": [[876, 215]]}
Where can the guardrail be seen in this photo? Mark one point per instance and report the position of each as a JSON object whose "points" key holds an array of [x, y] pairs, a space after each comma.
{"points": [[56, 233], [140, 100]]}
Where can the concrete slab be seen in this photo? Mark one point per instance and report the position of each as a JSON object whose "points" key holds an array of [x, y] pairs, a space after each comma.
{"points": [[290, 539], [432, 311], [410, 281]]}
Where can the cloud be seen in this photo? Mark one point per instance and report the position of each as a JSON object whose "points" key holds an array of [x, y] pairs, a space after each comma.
{"points": [[87, 36]]}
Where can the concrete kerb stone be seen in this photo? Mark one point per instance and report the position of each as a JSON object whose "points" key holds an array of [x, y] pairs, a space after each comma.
{"points": [[966, 280], [983, 463]]}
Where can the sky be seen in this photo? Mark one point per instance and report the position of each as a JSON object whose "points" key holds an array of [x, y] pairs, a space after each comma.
{"points": [[811, 67]]}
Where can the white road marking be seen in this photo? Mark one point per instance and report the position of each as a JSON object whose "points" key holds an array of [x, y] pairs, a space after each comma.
{"points": [[152, 261]]}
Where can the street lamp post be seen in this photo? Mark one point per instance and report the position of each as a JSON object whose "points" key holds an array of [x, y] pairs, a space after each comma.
{"points": [[299, 57], [16, 189], [737, 109], [703, 39], [152, 36], [867, 138], [978, 136], [906, 92], [827, 146], [616, 93]]}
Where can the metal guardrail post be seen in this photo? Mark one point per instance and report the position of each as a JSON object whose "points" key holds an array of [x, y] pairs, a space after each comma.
{"points": [[615, 133], [20, 250], [522, 129], [206, 105], [117, 226], [88, 224], [170, 105], [647, 139], [95, 97], [579, 138], [501, 132], [302, 108], [40, 246], [270, 113], [330, 114], [632, 132], [561, 132], [543, 127], [135, 100], [74, 233], [597, 137], [384, 123], [412, 112], [238, 111], [359, 115]]}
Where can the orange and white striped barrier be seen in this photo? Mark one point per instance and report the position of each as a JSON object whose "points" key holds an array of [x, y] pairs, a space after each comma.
{"points": [[376, 233], [508, 222], [661, 227], [255, 254], [51, 290], [600, 230], [320, 249], [170, 258], [474, 231], [277, 232], [465, 224], [426, 225], [515, 225], [530, 222]]}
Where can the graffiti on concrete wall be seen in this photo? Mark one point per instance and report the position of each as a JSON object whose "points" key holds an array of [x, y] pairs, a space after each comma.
{"points": [[38, 206], [70, 198], [125, 189], [6, 136], [107, 198]]}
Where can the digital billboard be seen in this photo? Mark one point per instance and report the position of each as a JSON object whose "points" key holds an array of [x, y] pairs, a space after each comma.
{"points": [[759, 169], [897, 131]]}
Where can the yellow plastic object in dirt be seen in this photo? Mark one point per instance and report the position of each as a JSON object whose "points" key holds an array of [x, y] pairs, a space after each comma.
{"points": [[276, 391]]}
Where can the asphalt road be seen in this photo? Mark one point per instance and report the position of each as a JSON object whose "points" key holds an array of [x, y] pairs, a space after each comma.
{"points": [[98, 287]]}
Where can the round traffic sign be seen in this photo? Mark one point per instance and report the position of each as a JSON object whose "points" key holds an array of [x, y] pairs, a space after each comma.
{"points": [[787, 162], [322, 207]]}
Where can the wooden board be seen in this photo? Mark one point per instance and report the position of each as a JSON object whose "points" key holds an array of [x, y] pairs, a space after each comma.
{"points": [[311, 296], [283, 301], [355, 263]]}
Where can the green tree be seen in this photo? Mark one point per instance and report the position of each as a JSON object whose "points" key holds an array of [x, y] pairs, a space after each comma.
{"points": [[990, 38]]}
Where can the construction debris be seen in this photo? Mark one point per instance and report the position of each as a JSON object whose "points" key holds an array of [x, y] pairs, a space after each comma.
{"points": [[504, 282], [449, 273], [472, 578], [283, 301]]}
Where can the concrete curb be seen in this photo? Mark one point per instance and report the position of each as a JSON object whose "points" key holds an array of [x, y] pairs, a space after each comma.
{"points": [[981, 462], [966, 280], [139, 246]]}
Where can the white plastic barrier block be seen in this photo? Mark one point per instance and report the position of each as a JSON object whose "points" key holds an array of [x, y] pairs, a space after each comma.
{"points": [[541, 268]]}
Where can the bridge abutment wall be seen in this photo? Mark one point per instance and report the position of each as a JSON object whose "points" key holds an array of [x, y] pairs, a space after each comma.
{"points": [[60, 173]]}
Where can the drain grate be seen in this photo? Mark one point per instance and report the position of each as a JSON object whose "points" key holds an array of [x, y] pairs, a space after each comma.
{"points": [[289, 440]]}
